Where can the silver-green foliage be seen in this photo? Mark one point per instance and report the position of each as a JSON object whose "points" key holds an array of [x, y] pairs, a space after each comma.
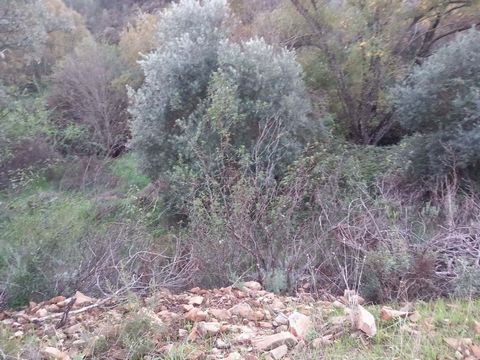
{"points": [[269, 89], [22, 26], [440, 103], [204, 94], [176, 77]]}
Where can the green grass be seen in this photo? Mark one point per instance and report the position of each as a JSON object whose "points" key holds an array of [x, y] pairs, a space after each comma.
{"points": [[11, 346], [126, 169], [46, 232], [40, 234], [404, 339]]}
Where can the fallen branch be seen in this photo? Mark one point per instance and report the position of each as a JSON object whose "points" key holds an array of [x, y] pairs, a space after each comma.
{"points": [[74, 312], [64, 318]]}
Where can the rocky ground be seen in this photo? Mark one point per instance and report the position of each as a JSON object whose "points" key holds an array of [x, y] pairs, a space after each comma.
{"points": [[237, 322]]}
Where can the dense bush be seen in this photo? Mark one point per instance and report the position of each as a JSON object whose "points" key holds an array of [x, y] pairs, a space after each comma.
{"points": [[176, 79], [440, 103], [208, 104], [26, 138], [334, 227]]}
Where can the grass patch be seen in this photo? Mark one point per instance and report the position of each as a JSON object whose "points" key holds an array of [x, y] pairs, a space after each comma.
{"points": [[126, 169], [404, 339], [12, 347], [41, 234]]}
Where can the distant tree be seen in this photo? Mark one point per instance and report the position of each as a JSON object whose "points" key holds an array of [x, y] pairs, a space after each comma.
{"points": [[33, 36], [22, 26], [137, 39], [440, 104], [106, 18], [88, 91], [354, 51], [22, 35], [65, 30]]}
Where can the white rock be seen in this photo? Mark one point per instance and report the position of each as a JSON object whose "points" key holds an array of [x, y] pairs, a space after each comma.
{"points": [[220, 344], [365, 321], [54, 353], [300, 325], [196, 300], [253, 285], [387, 313], [82, 299], [270, 342], [281, 319]]}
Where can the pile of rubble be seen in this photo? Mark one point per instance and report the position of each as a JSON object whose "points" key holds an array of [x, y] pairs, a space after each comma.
{"points": [[238, 322]]}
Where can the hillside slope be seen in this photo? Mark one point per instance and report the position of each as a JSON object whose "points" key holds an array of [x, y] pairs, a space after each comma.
{"points": [[238, 322]]}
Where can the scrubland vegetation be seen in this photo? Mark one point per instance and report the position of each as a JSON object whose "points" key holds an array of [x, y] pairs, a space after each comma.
{"points": [[316, 144]]}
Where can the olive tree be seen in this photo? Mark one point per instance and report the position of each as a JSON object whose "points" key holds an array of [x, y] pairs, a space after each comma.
{"points": [[199, 85], [176, 78]]}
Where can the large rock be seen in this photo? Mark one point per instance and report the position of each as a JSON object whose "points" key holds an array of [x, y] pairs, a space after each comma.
{"points": [[281, 319], [82, 299], [41, 312], [279, 352], [195, 315], [299, 324], [242, 310], [244, 338], [220, 344], [55, 300], [220, 314], [475, 350], [270, 342], [196, 300], [252, 285], [476, 326], [365, 321], [277, 305], [77, 328], [206, 329], [54, 353]]}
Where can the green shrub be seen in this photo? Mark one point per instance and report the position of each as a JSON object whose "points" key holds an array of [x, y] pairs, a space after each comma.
{"points": [[440, 104], [57, 242], [26, 138], [204, 96], [467, 284], [176, 79]]}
